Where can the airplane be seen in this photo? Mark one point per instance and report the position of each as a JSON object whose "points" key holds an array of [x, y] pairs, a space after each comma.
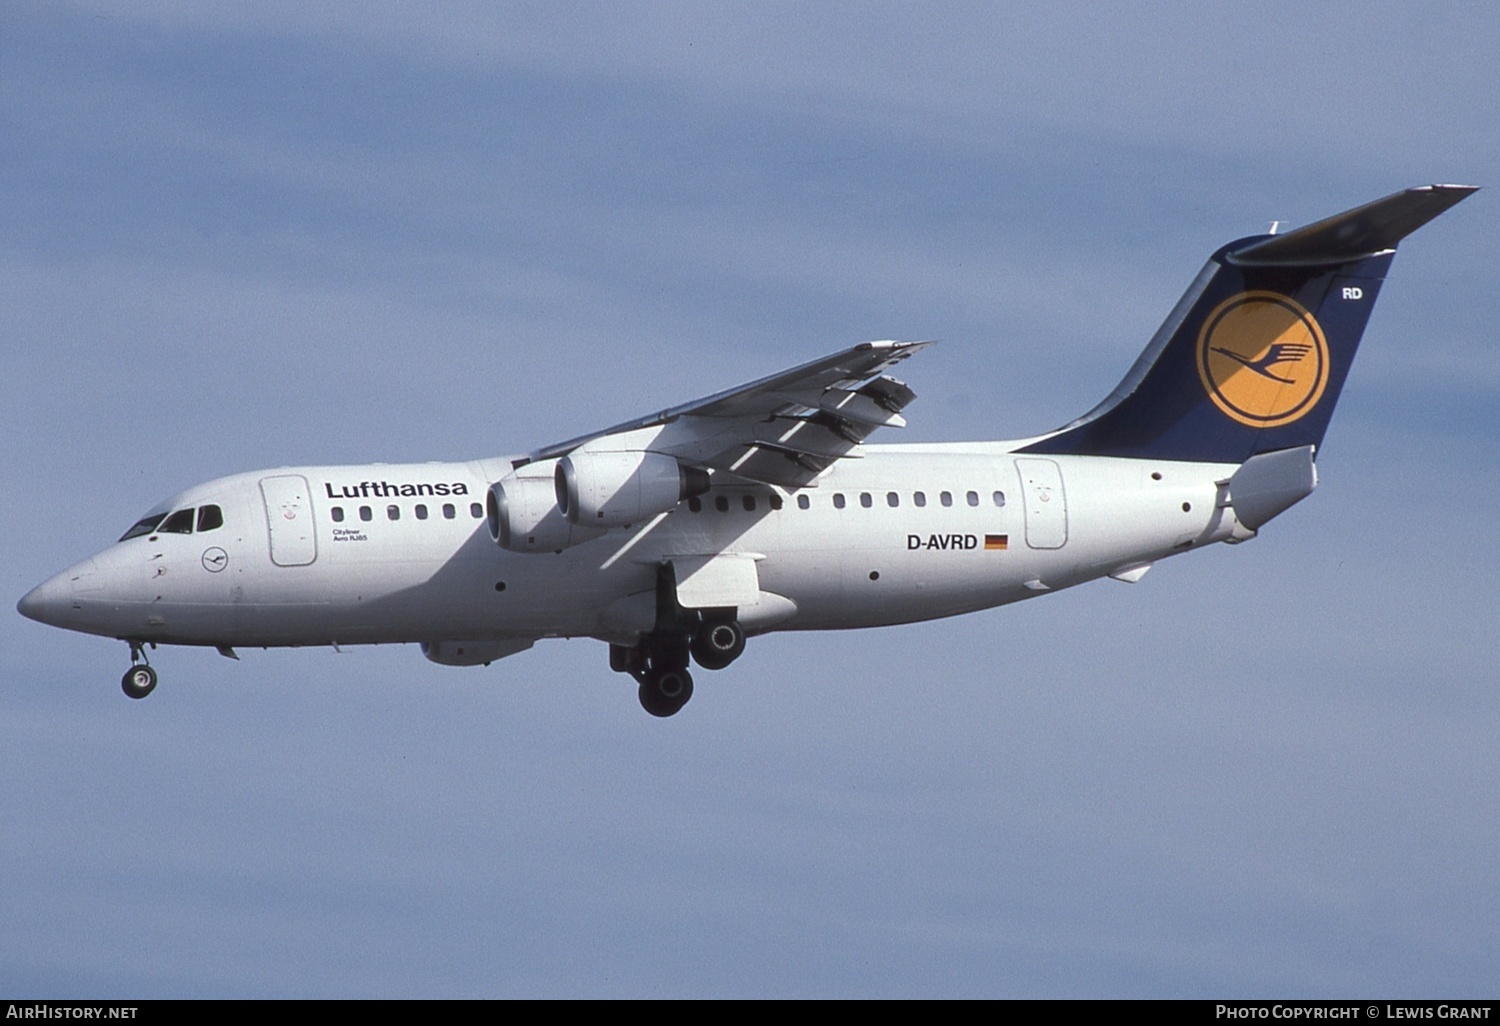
{"points": [[676, 536]]}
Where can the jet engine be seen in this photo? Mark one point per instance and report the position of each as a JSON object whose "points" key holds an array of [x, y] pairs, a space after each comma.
{"points": [[614, 489], [523, 514]]}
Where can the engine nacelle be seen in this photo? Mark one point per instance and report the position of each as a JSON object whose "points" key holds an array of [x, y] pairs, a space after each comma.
{"points": [[613, 489], [523, 514]]}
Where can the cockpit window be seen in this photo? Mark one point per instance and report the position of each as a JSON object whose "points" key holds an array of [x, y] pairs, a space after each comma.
{"points": [[145, 525], [209, 518], [180, 522]]}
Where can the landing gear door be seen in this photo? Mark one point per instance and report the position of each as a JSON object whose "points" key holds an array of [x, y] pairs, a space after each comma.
{"points": [[716, 581], [1046, 503], [289, 519]]}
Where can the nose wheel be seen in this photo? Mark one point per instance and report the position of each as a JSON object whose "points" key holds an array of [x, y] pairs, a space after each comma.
{"points": [[140, 680]]}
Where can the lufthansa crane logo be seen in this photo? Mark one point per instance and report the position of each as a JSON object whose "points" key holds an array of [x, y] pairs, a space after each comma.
{"points": [[1263, 359]]}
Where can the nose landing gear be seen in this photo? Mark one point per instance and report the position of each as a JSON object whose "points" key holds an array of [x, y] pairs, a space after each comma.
{"points": [[140, 680]]}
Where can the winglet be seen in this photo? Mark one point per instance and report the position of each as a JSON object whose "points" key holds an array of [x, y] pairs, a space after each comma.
{"points": [[1363, 231]]}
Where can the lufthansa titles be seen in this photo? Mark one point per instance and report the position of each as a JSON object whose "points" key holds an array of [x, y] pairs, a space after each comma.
{"points": [[385, 490]]}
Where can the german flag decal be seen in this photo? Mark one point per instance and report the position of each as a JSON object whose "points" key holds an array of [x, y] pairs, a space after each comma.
{"points": [[998, 542]]}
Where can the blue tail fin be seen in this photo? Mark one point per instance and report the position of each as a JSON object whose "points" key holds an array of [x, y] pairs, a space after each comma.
{"points": [[1253, 356]]}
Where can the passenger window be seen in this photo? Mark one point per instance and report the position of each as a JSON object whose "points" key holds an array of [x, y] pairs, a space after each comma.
{"points": [[721, 503], [803, 502], [973, 498], [999, 498], [366, 514], [476, 511], [421, 511], [145, 525], [393, 512], [338, 514], [180, 522], [865, 500], [892, 499], [695, 504], [748, 502], [919, 499], [838, 500], [775, 501], [448, 511], [946, 498], [210, 518]]}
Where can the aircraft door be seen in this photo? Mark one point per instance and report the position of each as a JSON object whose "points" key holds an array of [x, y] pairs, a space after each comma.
{"points": [[1046, 503], [289, 519]]}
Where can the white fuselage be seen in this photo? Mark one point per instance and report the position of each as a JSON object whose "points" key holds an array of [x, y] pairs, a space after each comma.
{"points": [[905, 533]]}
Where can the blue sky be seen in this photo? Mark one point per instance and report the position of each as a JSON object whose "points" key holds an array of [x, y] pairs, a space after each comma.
{"points": [[239, 237]]}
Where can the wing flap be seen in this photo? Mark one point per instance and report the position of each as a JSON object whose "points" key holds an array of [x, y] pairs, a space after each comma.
{"points": [[784, 429], [805, 385], [770, 466], [858, 408], [803, 436]]}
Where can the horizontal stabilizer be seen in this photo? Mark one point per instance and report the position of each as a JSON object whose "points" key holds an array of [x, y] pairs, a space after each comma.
{"points": [[1372, 228]]}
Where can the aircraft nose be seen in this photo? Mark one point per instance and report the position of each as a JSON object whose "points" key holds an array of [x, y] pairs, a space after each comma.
{"points": [[50, 601], [44, 602]]}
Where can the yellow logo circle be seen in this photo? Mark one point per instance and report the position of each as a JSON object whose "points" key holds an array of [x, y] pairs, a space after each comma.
{"points": [[1263, 359]]}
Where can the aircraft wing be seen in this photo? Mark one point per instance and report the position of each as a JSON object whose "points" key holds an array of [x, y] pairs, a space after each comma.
{"points": [[784, 429]]}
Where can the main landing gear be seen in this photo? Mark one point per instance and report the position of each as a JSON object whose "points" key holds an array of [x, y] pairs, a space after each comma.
{"points": [[659, 661], [660, 665], [718, 642], [140, 680]]}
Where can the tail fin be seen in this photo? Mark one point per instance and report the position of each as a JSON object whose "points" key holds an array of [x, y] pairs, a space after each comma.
{"points": [[1253, 356]]}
